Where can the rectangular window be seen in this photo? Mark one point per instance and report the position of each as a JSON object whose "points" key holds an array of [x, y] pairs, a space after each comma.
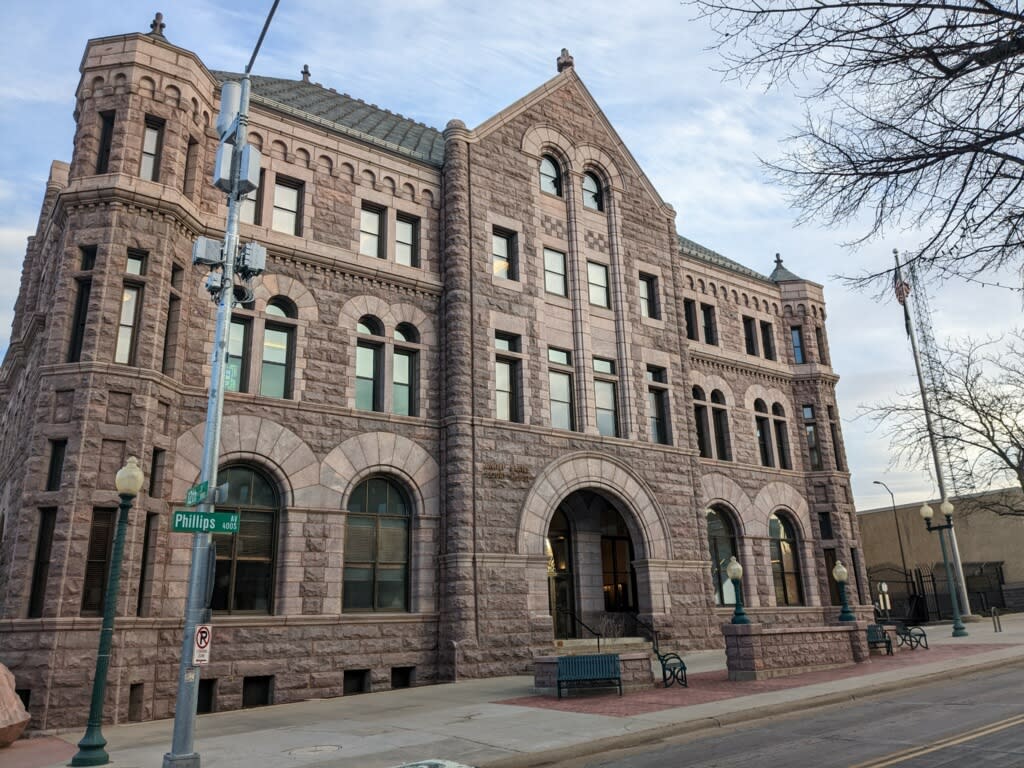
{"points": [[690, 312], [597, 280], [560, 388], [782, 444], [700, 417], [371, 240], [819, 337], [707, 316], [78, 320], [407, 241], [503, 255], [811, 430], [157, 467], [649, 304], [825, 525], [275, 371], [58, 449], [236, 371], [135, 264], [287, 215], [833, 428], [188, 182], [152, 144], [87, 254], [251, 211], [750, 335], [403, 386], [507, 378], [149, 539], [106, 140], [97, 561], [605, 396], [797, 334], [131, 299], [768, 340], [41, 567], [657, 404], [554, 273], [368, 394], [171, 334]]}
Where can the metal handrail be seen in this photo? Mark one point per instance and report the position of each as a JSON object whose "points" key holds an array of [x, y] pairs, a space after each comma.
{"points": [[580, 621], [650, 628]]}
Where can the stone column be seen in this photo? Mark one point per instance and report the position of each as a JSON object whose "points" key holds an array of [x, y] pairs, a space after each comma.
{"points": [[457, 589]]}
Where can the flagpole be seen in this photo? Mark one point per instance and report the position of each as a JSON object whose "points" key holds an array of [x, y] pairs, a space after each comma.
{"points": [[902, 295]]}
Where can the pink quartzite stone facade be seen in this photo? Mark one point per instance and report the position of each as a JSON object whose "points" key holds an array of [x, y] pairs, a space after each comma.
{"points": [[756, 652], [503, 521]]}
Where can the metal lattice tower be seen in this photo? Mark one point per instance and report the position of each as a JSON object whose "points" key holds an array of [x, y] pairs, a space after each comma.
{"points": [[957, 464]]}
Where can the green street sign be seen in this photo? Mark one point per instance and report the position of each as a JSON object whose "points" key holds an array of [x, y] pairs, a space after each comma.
{"points": [[190, 521], [196, 494]]}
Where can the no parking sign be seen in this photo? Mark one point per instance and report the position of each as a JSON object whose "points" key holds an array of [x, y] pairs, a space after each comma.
{"points": [[201, 646]]}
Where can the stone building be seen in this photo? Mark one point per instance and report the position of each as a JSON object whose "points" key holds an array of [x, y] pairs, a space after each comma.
{"points": [[484, 398]]}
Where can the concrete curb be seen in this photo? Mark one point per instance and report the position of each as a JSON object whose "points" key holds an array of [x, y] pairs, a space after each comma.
{"points": [[652, 736]]}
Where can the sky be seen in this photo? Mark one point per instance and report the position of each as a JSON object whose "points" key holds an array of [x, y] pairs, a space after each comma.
{"points": [[697, 136]]}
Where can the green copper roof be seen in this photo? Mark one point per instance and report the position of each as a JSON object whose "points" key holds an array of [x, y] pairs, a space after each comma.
{"points": [[342, 113], [698, 251]]}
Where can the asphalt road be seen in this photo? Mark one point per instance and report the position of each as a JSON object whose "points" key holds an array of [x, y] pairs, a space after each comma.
{"points": [[973, 722]]}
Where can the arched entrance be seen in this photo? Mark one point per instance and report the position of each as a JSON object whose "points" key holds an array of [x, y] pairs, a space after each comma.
{"points": [[591, 576]]}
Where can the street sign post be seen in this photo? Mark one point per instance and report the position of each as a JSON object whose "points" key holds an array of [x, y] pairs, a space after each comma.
{"points": [[196, 494], [189, 521]]}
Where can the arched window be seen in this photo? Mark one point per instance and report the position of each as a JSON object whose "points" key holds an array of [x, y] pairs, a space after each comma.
{"points": [[781, 436], [405, 371], [376, 576], [762, 425], [244, 577], [720, 420], [785, 562], [275, 363], [700, 417], [550, 176], [722, 546], [593, 198], [369, 364]]}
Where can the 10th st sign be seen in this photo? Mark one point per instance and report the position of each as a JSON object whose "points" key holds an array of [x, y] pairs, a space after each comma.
{"points": [[190, 521]]}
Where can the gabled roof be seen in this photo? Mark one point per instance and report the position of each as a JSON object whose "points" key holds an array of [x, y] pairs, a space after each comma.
{"points": [[698, 251], [342, 113]]}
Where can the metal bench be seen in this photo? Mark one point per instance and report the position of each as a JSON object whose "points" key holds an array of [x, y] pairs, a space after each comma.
{"points": [[912, 637], [878, 637], [673, 670], [596, 670]]}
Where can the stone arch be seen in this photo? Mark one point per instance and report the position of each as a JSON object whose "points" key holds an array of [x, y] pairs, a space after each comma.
{"points": [[409, 313], [348, 171], [586, 470], [389, 185], [258, 440], [325, 165], [408, 191], [368, 178], [357, 306], [711, 381], [721, 489], [97, 83], [777, 495], [351, 462], [268, 285], [147, 84], [173, 94], [278, 150], [120, 82], [769, 395], [591, 157], [544, 137], [427, 197], [302, 157], [256, 140]]}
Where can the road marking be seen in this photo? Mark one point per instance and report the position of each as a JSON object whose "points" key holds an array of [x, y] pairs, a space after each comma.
{"points": [[951, 741]]}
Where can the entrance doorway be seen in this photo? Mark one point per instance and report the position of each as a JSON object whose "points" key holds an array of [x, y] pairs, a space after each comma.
{"points": [[592, 585]]}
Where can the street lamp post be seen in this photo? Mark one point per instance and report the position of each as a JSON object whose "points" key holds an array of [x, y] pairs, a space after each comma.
{"points": [[91, 748], [926, 514], [896, 521], [840, 574], [735, 573]]}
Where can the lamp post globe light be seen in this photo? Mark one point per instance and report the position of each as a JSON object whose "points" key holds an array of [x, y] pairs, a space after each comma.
{"points": [[840, 574], [735, 573], [91, 748], [927, 513]]}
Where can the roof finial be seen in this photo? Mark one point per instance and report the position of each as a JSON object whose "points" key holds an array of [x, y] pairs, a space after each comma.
{"points": [[157, 26], [778, 260], [565, 60], [305, 73]]}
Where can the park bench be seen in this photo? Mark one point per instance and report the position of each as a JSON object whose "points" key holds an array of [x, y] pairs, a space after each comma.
{"points": [[911, 636], [673, 669], [595, 670], [879, 638]]}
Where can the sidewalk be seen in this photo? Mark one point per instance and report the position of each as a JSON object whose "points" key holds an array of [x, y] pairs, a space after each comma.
{"points": [[500, 723]]}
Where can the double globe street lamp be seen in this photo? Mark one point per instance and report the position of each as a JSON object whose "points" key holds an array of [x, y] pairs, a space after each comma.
{"points": [[91, 748], [946, 508]]}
